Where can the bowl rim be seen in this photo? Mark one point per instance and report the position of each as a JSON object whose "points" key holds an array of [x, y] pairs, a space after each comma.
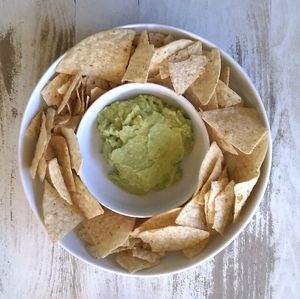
{"points": [[267, 161], [149, 88]]}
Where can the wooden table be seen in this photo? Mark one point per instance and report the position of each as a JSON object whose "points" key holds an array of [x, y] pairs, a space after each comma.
{"points": [[264, 37]]}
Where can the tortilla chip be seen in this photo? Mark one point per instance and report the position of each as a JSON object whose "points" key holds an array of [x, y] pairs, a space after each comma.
{"points": [[107, 232], [164, 82], [49, 153], [184, 73], [62, 119], [73, 145], [50, 92], [131, 263], [224, 208], [225, 75], [244, 167], [96, 92], [211, 105], [239, 126], [195, 250], [192, 215], [146, 255], [59, 217], [242, 192], [168, 39], [57, 180], [85, 201], [92, 81], [104, 54], [64, 88], [156, 39], [224, 173], [61, 150], [216, 188], [50, 117], [139, 63], [226, 96], [158, 221], [42, 168], [224, 145], [73, 84], [202, 90], [173, 238], [130, 243], [208, 164], [33, 129], [165, 51], [39, 148]]}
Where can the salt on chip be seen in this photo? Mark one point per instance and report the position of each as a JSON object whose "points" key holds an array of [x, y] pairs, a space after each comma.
{"points": [[192, 215], [184, 73], [104, 54], [225, 75], [73, 145], [85, 201], [242, 191], [39, 148], [61, 150], [146, 255], [50, 92], [226, 96], [59, 217], [202, 90], [57, 180], [131, 263], [173, 238], [165, 51], [139, 63], [67, 95], [224, 208], [107, 231], [208, 163], [33, 129], [239, 126], [158, 221], [245, 167]]}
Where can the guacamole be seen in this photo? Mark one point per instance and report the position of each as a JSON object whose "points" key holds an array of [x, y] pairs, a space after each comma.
{"points": [[144, 141]]}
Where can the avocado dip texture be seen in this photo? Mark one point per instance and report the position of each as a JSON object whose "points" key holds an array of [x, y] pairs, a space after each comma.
{"points": [[144, 140]]}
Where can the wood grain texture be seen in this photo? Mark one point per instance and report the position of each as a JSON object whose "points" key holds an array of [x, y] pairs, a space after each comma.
{"points": [[264, 37]]}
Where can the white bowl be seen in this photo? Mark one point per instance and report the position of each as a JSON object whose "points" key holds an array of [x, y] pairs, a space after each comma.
{"points": [[95, 169], [174, 262]]}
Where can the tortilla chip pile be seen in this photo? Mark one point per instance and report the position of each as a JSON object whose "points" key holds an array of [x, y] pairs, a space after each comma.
{"points": [[228, 172]]}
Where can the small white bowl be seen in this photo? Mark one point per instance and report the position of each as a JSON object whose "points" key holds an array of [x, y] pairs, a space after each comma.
{"points": [[95, 169], [174, 262]]}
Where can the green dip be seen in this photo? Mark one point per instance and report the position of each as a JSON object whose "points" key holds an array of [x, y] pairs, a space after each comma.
{"points": [[144, 141]]}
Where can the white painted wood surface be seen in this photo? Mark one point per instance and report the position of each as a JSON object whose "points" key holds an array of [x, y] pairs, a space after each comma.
{"points": [[264, 37]]}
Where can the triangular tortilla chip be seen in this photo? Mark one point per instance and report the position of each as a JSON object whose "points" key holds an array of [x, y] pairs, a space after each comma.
{"points": [[107, 232], [226, 96], [184, 73], [196, 249], [207, 165], [202, 90], [33, 129], [224, 208], [96, 92], [173, 238], [165, 51], [245, 167], [57, 180], [85, 201], [61, 150], [242, 192], [158, 221], [131, 263], [104, 54], [40, 147], [73, 145], [50, 92], [225, 75], [192, 215], [139, 63], [73, 84], [59, 217], [211, 105], [239, 126], [63, 89], [146, 255]]}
